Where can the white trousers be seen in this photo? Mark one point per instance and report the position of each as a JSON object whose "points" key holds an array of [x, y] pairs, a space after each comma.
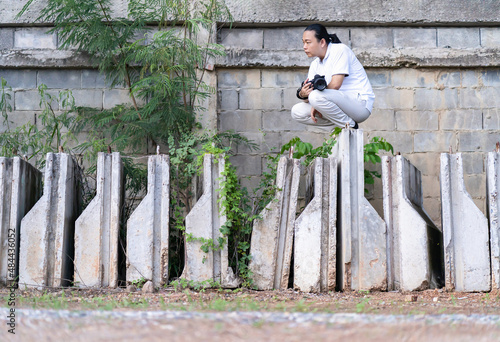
{"points": [[336, 107]]}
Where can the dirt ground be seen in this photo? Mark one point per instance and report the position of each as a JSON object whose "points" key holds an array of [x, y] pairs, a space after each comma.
{"points": [[429, 303]]}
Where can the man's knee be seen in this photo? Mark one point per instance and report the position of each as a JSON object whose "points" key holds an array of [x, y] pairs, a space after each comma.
{"points": [[298, 111]]}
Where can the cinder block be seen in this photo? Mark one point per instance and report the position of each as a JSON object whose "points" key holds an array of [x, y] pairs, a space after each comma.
{"points": [[458, 38], [260, 99], [280, 121], [490, 97], [240, 120], [19, 78], [380, 120], [477, 141], [476, 185], [435, 141], [289, 38], [371, 38], [314, 138], [470, 78], [88, 98], [401, 141], [391, 98], [461, 119], [426, 162], [434, 99], [237, 78], [342, 33], [415, 38], [432, 207], [283, 79], [228, 100], [413, 78], [113, 97], [416, 121], [491, 118], [380, 78], [17, 119], [20, 189], [61, 79], [491, 78], [93, 79], [490, 37], [290, 98], [242, 38], [6, 38], [469, 98], [30, 100], [247, 165], [473, 163], [449, 79], [34, 38], [267, 142], [97, 229]]}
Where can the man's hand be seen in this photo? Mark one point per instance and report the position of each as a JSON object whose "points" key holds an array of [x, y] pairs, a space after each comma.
{"points": [[307, 88], [314, 114]]}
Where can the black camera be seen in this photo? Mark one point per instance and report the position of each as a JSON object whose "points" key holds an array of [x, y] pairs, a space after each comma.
{"points": [[318, 82]]}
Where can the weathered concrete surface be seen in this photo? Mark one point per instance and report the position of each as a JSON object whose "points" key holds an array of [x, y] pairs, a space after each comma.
{"points": [[205, 221], [337, 11], [47, 241], [315, 243], [148, 227], [414, 244], [272, 235], [361, 242], [493, 204], [465, 231], [97, 230], [20, 188], [369, 57]]}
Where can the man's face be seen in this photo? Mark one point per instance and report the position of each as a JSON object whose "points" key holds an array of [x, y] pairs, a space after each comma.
{"points": [[312, 47]]}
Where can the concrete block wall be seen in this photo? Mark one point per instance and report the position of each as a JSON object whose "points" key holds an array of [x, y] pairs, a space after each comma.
{"points": [[425, 103]]}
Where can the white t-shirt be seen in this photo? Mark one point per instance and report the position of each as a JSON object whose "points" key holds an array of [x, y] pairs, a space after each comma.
{"points": [[340, 59]]}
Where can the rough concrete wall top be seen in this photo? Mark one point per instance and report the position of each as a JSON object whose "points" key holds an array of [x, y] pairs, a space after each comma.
{"points": [[369, 11], [333, 11]]}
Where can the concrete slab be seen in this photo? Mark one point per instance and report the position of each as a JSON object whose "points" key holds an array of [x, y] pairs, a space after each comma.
{"points": [[361, 238], [465, 232], [97, 230], [20, 188], [148, 227], [272, 235], [204, 221], [47, 241], [414, 243], [315, 231], [493, 204]]}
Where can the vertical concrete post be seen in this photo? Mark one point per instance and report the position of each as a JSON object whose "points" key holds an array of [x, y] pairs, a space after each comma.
{"points": [[493, 204], [414, 244], [361, 238], [465, 232], [204, 221], [148, 227], [97, 230], [20, 188], [272, 235], [316, 233], [47, 240]]}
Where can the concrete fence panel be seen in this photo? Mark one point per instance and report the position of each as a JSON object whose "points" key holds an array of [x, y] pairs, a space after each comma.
{"points": [[47, 241], [493, 203], [465, 232], [148, 227], [315, 240], [361, 244], [98, 227], [414, 244], [20, 188], [272, 236]]}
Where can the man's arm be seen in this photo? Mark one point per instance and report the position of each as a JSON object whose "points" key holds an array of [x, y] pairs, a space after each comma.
{"points": [[336, 82]]}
